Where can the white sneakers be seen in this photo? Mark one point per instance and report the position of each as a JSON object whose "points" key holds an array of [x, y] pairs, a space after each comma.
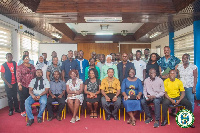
{"points": [[73, 120]]}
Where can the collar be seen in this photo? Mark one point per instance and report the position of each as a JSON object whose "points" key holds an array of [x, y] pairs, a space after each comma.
{"points": [[56, 82]]}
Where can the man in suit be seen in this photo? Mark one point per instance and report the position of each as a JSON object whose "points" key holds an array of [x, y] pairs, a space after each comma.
{"points": [[123, 67]]}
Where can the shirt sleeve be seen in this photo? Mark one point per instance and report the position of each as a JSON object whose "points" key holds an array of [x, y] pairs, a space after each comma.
{"points": [[98, 70], [118, 84], [140, 89], [162, 89], [177, 61], [165, 85], [63, 86], [123, 86], [63, 66], [19, 75], [115, 71], [103, 85], [49, 69], [67, 82], [77, 66], [2, 69], [145, 87], [181, 86], [159, 61], [47, 84], [144, 65], [31, 85]]}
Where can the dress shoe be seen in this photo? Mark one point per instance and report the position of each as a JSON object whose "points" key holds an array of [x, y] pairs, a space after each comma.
{"points": [[156, 124], [164, 123], [58, 118], [115, 117], [39, 120], [10, 113], [17, 110], [50, 119], [192, 126], [30, 122], [108, 117]]}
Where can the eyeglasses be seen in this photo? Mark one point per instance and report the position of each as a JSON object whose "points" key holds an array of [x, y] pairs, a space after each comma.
{"points": [[26, 58]]}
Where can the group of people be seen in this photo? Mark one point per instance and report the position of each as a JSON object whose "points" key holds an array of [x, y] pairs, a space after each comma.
{"points": [[106, 81]]}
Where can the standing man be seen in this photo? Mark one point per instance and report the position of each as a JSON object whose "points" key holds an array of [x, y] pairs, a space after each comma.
{"points": [[38, 88], [123, 67], [54, 54], [118, 58], [102, 62], [8, 75], [113, 58], [146, 55], [130, 57], [45, 58], [140, 66], [83, 63], [153, 92], [68, 65], [30, 61], [56, 93], [167, 63]]}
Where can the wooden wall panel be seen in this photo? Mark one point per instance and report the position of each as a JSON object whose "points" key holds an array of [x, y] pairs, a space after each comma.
{"points": [[99, 48], [127, 48]]}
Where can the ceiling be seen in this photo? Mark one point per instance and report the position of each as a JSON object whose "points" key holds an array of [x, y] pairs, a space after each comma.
{"points": [[141, 18], [114, 28]]}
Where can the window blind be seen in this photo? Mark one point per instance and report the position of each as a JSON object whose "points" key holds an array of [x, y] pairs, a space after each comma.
{"points": [[184, 44]]}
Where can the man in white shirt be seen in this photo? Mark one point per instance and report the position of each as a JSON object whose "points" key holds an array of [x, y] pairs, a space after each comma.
{"points": [[140, 66]]}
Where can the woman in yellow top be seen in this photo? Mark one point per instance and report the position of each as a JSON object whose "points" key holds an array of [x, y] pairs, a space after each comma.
{"points": [[110, 89]]}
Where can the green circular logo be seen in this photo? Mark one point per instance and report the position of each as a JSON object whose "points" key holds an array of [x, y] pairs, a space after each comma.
{"points": [[185, 118]]}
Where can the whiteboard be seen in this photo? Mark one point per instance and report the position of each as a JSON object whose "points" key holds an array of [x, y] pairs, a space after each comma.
{"points": [[59, 48]]}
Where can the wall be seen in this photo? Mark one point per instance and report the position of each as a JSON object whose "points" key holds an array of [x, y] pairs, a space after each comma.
{"points": [[127, 48], [59, 48], [99, 48]]}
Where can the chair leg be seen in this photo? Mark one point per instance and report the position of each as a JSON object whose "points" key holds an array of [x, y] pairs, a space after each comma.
{"points": [[144, 116], [103, 114], [140, 116], [100, 112], [47, 115], [168, 116], [43, 115], [85, 113], [65, 111], [26, 117], [119, 114], [124, 114], [79, 112], [161, 112]]}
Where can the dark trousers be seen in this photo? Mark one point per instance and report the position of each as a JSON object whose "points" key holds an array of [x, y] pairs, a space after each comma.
{"points": [[106, 105], [12, 97], [23, 94], [156, 102], [166, 103], [61, 102]]}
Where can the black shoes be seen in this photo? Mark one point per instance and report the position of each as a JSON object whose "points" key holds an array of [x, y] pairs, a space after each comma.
{"points": [[10, 113], [17, 110], [192, 126], [50, 119], [30, 122], [115, 117], [164, 123], [39, 120], [108, 117], [156, 124], [148, 120], [58, 118]]}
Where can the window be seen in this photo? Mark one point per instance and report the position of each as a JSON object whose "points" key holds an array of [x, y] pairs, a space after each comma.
{"points": [[31, 45], [5, 47], [184, 44]]}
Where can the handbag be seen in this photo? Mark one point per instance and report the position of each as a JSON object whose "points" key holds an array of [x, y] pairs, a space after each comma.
{"points": [[132, 97]]}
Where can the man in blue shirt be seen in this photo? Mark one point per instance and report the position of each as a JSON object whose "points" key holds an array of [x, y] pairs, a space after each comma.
{"points": [[68, 65], [83, 63]]}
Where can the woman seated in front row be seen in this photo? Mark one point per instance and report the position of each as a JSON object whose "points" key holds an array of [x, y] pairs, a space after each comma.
{"points": [[92, 90], [75, 96], [132, 89]]}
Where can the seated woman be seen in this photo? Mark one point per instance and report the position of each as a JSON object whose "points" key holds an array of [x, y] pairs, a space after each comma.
{"points": [[75, 96], [92, 65], [132, 89], [92, 86]]}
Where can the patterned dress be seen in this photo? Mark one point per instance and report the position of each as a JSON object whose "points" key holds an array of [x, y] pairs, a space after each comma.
{"points": [[77, 88]]}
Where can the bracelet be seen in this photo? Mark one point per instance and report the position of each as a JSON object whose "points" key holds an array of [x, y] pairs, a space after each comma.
{"points": [[115, 96]]}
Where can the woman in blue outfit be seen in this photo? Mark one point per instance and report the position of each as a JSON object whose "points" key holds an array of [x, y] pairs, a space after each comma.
{"points": [[132, 89]]}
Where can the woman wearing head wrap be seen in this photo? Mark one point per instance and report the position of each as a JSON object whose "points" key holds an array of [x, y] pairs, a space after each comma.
{"points": [[41, 65], [108, 64]]}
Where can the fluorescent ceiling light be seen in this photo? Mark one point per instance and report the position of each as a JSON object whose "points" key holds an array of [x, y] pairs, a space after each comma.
{"points": [[155, 34], [103, 33], [57, 35], [103, 41], [103, 19]]}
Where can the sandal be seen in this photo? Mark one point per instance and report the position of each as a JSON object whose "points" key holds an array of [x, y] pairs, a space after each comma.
{"points": [[92, 114], [95, 115], [129, 121], [133, 123]]}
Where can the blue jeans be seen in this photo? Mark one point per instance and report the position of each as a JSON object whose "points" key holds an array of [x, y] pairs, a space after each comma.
{"points": [[190, 96], [29, 101]]}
